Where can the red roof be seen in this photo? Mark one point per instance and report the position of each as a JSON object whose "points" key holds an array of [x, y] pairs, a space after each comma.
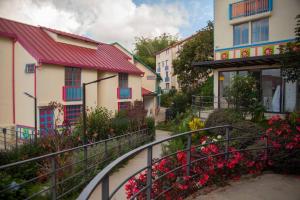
{"points": [[146, 92], [46, 50]]}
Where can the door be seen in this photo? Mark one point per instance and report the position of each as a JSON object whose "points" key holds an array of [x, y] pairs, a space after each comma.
{"points": [[46, 120]]}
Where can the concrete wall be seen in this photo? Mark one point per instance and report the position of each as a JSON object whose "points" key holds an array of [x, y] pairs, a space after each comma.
{"points": [[24, 82], [281, 27], [6, 96]]}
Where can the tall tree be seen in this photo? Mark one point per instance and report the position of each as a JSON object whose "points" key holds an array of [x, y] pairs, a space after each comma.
{"points": [[291, 57], [145, 48], [199, 48]]}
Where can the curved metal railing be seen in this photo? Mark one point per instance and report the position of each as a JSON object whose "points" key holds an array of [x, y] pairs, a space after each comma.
{"points": [[103, 177], [85, 161]]}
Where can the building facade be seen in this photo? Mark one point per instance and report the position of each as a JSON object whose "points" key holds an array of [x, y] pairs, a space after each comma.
{"points": [[150, 83], [164, 65], [51, 66], [247, 37]]}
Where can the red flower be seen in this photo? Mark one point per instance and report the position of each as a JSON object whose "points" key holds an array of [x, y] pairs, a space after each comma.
{"points": [[203, 180]]}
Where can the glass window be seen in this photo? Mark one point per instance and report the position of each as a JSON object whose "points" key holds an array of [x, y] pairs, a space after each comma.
{"points": [[290, 96], [271, 89], [72, 76], [241, 34], [260, 30], [123, 80], [72, 113], [225, 79], [158, 68], [167, 85]]}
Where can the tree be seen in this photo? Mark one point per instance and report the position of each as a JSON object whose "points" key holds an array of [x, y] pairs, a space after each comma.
{"points": [[145, 48], [291, 57], [199, 48]]}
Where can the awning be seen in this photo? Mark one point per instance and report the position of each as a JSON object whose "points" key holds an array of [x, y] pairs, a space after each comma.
{"points": [[240, 62], [146, 92]]}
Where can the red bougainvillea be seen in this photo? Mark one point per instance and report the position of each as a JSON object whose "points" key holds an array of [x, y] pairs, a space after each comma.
{"points": [[211, 165]]}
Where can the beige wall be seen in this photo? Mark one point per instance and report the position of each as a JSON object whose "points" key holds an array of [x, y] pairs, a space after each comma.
{"points": [[135, 82], [24, 82], [107, 91], [69, 40], [6, 96], [281, 25], [148, 84]]}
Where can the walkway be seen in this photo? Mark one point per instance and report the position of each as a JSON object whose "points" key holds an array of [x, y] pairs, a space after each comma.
{"points": [[265, 187], [138, 162]]}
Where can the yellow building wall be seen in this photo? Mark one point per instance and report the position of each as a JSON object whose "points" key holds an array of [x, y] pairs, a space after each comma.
{"points": [[148, 84], [6, 96], [24, 82], [135, 82], [281, 21], [107, 91]]}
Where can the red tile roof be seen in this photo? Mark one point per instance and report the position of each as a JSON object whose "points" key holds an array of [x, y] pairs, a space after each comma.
{"points": [[46, 50], [146, 92]]}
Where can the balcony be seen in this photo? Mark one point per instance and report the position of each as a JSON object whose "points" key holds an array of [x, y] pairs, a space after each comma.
{"points": [[124, 93], [249, 7], [72, 93]]}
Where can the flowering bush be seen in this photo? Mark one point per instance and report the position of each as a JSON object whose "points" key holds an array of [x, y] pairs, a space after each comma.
{"points": [[284, 136], [211, 164]]}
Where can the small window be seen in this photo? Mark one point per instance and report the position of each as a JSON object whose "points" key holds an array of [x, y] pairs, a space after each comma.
{"points": [[241, 34], [158, 68], [260, 30], [29, 68], [123, 80], [167, 85], [72, 76], [72, 113], [124, 105]]}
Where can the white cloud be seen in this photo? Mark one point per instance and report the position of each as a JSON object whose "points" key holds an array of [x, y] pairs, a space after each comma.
{"points": [[103, 20]]}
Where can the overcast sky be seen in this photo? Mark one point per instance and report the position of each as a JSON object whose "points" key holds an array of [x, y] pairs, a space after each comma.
{"points": [[113, 20]]}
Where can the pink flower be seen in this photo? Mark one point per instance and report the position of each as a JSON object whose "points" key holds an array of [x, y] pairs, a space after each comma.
{"points": [[203, 180]]}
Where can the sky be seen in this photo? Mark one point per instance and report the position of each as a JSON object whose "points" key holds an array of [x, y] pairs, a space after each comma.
{"points": [[113, 20]]}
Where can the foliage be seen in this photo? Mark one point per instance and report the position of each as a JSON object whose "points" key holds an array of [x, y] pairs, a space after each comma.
{"points": [[199, 48], [212, 170], [291, 57], [221, 117], [180, 103], [150, 123], [196, 124], [98, 124], [167, 98], [207, 87], [242, 92], [284, 136], [145, 48], [17, 193]]}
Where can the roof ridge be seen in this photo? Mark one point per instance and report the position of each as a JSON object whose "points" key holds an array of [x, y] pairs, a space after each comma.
{"points": [[23, 23]]}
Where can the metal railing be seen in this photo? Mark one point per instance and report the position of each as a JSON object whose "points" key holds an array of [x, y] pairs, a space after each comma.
{"points": [[13, 137], [62, 174], [204, 105], [102, 179]]}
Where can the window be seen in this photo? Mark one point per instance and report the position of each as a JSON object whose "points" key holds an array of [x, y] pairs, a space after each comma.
{"points": [[158, 68], [167, 85], [29, 68], [72, 76], [123, 105], [225, 79], [72, 113], [123, 80], [271, 89], [260, 30], [241, 34], [162, 64], [46, 119]]}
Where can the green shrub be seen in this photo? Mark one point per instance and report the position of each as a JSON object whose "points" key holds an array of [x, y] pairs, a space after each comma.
{"points": [[180, 103], [165, 100]]}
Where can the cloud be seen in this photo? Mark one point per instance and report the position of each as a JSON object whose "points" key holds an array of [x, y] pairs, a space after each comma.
{"points": [[103, 20]]}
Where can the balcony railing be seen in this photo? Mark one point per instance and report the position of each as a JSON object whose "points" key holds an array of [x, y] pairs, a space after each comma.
{"points": [[124, 93], [72, 93], [249, 7]]}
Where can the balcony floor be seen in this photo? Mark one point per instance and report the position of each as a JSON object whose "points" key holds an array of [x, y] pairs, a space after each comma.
{"points": [[265, 187]]}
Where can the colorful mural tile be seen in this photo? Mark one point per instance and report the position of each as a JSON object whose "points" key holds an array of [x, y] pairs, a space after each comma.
{"points": [[225, 55], [245, 53], [268, 50]]}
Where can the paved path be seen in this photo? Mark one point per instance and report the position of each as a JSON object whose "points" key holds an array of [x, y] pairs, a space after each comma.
{"points": [[265, 187], [138, 162]]}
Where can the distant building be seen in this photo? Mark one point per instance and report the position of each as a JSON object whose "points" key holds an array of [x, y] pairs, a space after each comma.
{"points": [[164, 65], [150, 83], [247, 35], [52, 65]]}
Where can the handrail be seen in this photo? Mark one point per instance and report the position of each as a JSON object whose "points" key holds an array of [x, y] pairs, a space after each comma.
{"points": [[88, 190], [66, 150]]}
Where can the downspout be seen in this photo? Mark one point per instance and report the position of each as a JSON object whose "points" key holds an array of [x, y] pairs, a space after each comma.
{"points": [[13, 81]]}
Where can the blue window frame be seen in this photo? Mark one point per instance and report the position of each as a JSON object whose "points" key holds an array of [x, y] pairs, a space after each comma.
{"points": [[241, 34], [260, 30]]}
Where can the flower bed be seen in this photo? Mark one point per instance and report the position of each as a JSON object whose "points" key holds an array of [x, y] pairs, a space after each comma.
{"points": [[210, 163]]}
